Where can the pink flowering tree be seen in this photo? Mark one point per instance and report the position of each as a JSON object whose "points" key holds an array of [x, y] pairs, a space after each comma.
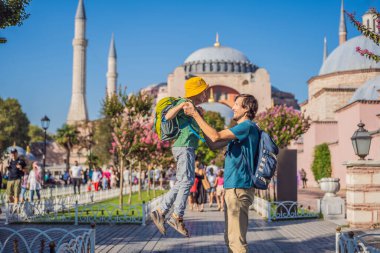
{"points": [[129, 117], [375, 37], [283, 124]]}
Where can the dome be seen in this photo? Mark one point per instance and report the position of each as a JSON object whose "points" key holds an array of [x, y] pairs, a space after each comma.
{"points": [[225, 111], [368, 91], [218, 59], [219, 53], [345, 57]]}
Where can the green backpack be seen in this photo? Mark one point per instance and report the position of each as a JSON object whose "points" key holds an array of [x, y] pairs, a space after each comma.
{"points": [[168, 129]]}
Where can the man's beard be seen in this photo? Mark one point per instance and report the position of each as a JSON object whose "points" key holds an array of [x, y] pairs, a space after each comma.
{"points": [[237, 118]]}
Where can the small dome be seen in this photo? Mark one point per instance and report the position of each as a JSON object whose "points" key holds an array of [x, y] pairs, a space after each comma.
{"points": [[345, 57], [368, 91], [217, 54]]}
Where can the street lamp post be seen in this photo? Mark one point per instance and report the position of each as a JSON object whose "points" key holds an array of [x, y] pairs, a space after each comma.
{"points": [[45, 122]]}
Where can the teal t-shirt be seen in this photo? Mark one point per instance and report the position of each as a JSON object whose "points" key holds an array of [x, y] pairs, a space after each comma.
{"points": [[236, 169], [186, 138]]}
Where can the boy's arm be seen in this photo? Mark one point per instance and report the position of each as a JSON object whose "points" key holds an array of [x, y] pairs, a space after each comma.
{"points": [[174, 111]]}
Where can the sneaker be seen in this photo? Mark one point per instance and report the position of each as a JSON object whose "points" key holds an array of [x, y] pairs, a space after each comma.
{"points": [[158, 220], [177, 223]]}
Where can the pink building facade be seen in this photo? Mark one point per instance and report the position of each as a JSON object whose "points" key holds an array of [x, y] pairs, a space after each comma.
{"points": [[344, 93]]}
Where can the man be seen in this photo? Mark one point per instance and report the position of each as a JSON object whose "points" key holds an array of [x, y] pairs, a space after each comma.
{"points": [[303, 178], [214, 168], [76, 173], [243, 141], [196, 91], [15, 173]]}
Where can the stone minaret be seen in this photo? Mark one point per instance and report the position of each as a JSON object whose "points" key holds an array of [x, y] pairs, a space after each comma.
{"points": [[342, 26], [325, 49], [78, 107], [112, 69]]}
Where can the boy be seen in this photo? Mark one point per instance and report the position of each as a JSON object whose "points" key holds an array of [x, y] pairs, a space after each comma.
{"points": [[196, 90]]}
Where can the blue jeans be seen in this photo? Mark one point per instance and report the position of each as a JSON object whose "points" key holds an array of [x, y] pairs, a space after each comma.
{"points": [[185, 158], [22, 194], [31, 192]]}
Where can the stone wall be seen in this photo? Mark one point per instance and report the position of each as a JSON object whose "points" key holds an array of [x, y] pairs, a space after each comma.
{"points": [[363, 193]]}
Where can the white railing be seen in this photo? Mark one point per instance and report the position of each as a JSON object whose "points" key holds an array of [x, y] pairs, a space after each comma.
{"points": [[281, 210], [51, 240], [80, 209], [148, 207], [347, 242]]}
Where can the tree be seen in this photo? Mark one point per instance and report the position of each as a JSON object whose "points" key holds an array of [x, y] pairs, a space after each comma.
{"points": [[321, 166], [12, 12], [67, 137], [129, 115], [36, 134], [102, 140], [204, 154], [283, 124], [14, 124], [375, 37]]}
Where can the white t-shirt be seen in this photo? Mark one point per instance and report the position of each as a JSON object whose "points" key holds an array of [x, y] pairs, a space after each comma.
{"points": [[76, 171], [96, 175]]}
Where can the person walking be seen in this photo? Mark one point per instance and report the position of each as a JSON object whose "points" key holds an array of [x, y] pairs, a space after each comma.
{"points": [[15, 172], [240, 162], [76, 173], [96, 177], [219, 182], [303, 178], [35, 181], [24, 184], [202, 187], [211, 191], [196, 91]]}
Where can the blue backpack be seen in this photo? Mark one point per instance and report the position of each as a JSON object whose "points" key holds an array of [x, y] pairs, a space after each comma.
{"points": [[266, 161]]}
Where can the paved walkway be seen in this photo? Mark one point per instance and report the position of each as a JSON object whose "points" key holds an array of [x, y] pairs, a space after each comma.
{"points": [[207, 235]]}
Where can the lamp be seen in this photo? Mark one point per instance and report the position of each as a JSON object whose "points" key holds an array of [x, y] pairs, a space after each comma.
{"points": [[45, 122], [361, 141]]}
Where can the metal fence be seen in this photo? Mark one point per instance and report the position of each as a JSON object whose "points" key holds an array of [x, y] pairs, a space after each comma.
{"points": [[282, 210], [80, 209], [347, 242], [51, 240]]}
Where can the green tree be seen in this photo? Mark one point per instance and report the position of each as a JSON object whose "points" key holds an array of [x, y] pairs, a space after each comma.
{"points": [[321, 166], [14, 124], [12, 12], [36, 134], [67, 137], [204, 154], [102, 140]]}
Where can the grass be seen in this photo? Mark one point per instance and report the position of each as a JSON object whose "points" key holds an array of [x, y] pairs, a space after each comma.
{"points": [[108, 209]]}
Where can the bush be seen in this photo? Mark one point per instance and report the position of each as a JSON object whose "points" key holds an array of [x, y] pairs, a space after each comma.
{"points": [[321, 166]]}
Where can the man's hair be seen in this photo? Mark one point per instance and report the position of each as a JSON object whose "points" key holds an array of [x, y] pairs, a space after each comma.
{"points": [[250, 103]]}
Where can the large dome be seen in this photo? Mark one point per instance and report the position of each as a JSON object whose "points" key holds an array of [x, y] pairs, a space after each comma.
{"points": [[368, 91], [217, 54], [218, 59], [345, 57]]}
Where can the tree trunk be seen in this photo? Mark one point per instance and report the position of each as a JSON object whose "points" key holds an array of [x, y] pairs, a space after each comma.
{"points": [[130, 184], [67, 159], [148, 189], [139, 178], [154, 183], [121, 184]]}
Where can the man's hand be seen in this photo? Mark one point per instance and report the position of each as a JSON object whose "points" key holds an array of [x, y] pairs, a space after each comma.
{"points": [[189, 109]]}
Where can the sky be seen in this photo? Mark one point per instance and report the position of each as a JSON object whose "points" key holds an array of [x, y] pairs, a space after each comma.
{"points": [[154, 37]]}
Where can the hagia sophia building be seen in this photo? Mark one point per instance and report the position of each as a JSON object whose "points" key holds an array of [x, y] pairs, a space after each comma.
{"points": [[344, 93]]}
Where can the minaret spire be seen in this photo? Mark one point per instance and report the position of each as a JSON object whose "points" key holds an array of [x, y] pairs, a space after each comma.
{"points": [[78, 106], [112, 69], [217, 44], [342, 26], [325, 49]]}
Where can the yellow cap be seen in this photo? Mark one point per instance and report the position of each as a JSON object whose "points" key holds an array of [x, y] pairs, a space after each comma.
{"points": [[194, 86]]}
